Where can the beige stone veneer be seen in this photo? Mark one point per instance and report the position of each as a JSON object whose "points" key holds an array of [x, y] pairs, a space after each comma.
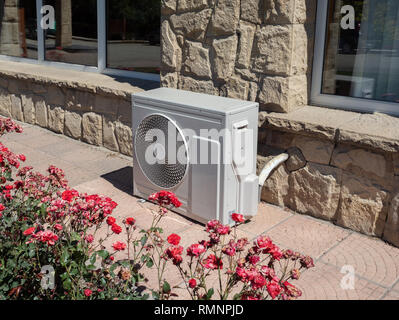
{"points": [[257, 50]]}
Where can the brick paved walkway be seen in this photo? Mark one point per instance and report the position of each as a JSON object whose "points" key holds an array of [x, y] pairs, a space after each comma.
{"points": [[96, 170]]}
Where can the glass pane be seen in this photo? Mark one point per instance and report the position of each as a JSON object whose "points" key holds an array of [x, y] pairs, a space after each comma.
{"points": [[74, 38], [18, 36], [362, 50], [133, 35]]}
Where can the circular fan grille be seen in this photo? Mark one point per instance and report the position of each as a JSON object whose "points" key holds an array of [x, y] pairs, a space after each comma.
{"points": [[153, 155]]}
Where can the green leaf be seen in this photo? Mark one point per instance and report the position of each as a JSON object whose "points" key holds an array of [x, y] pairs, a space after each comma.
{"points": [[144, 240], [149, 263], [93, 258], [64, 257], [103, 254], [166, 287], [210, 293], [67, 284]]}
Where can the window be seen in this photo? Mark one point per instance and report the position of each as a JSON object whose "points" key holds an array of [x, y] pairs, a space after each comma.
{"points": [[117, 37], [18, 37], [133, 35], [356, 62], [74, 38]]}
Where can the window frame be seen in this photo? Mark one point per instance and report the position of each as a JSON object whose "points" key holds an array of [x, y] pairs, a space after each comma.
{"points": [[101, 52], [335, 101]]}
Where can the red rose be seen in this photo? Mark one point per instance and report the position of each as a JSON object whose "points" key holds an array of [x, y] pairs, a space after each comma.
{"points": [[29, 231], [88, 292], [239, 218], [116, 229], [274, 289], [130, 221], [2, 208], [195, 250], [111, 221], [58, 227], [22, 157], [69, 195], [212, 262], [174, 239], [192, 283], [119, 246], [89, 238]]}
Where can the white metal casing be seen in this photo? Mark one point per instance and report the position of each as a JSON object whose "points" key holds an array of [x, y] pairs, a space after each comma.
{"points": [[208, 191]]}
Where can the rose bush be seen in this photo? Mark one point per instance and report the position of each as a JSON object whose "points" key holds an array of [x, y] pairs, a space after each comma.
{"points": [[51, 247]]}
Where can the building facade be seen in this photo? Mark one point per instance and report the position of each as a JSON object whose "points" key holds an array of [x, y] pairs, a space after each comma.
{"points": [[323, 71]]}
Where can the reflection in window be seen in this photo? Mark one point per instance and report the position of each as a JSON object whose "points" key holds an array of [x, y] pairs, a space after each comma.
{"points": [[363, 61], [74, 38], [133, 35], [18, 35]]}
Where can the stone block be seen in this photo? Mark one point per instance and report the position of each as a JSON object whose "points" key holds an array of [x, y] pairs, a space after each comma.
{"points": [[73, 125], [41, 113], [200, 86], [5, 103], [396, 163], [81, 101], [305, 11], [3, 83], [391, 230], [282, 94], [28, 107], [92, 129], [171, 53], [361, 161], [17, 86], [224, 57], [315, 150], [10, 14], [56, 118], [296, 160], [247, 33], [168, 7], [125, 112], [237, 88], [196, 60], [315, 190], [191, 25], [109, 138], [106, 104], [302, 53], [272, 50], [251, 11], [16, 108], [276, 188], [279, 11], [169, 80], [363, 205], [55, 96], [124, 137], [191, 5], [225, 17]]}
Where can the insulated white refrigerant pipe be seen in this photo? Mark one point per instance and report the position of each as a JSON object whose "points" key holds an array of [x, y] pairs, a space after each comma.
{"points": [[269, 167]]}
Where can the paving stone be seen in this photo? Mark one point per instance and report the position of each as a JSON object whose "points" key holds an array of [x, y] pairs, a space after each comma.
{"points": [[371, 258], [324, 283], [307, 235], [268, 216], [392, 295]]}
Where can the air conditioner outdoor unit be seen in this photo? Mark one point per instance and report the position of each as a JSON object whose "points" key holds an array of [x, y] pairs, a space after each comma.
{"points": [[201, 147]]}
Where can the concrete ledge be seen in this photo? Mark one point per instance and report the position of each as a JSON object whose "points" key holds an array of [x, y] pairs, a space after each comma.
{"points": [[72, 79], [373, 131]]}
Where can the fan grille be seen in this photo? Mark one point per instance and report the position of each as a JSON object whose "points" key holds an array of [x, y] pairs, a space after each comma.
{"points": [[163, 173]]}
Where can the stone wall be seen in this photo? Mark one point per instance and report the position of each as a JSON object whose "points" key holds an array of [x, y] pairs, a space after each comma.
{"points": [[338, 174], [257, 50], [94, 116]]}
